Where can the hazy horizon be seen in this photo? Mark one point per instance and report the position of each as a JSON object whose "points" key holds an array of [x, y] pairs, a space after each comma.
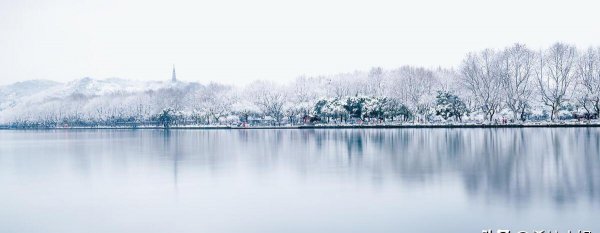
{"points": [[236, 42]]}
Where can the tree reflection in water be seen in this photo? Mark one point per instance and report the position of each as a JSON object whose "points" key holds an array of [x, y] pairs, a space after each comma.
{"points": [[514, 165]]}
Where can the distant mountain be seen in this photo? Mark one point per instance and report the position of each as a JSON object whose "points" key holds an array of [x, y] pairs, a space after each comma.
{"points": [[96, 87], [32, 92], [11, 94]]}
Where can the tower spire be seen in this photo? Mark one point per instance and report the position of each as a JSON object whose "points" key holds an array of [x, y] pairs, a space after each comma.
{"points": [[174, 77]]}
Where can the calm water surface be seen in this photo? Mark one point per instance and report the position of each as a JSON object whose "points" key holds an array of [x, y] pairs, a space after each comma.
{"points": [[342, 180]]}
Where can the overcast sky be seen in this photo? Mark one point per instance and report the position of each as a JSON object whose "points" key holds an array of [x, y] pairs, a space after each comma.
{"points": [[237, 41]]}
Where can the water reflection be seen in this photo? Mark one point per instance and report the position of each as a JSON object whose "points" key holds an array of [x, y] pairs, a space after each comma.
{"points": [[516, 166], [513, 165]]}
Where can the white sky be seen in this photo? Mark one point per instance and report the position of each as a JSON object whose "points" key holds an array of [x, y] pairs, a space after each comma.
{"points": [[237, 41]]}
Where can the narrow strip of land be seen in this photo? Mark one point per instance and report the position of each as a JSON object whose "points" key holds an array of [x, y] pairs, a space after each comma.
{"points": [[556, 125]]}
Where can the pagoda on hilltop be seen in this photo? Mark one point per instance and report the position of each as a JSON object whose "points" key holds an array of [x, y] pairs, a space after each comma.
{"points": [[174, 77]]}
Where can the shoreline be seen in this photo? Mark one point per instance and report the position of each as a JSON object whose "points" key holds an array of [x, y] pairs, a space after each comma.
{"points": [[433, 126]]}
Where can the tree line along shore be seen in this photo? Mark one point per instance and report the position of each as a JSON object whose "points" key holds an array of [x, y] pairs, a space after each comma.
{"points": [[514, 87]]}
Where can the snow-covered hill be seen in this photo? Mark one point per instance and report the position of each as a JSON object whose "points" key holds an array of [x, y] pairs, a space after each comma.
{"points": [[12, 94], [91, 87], [44, 89], [22, 98]]}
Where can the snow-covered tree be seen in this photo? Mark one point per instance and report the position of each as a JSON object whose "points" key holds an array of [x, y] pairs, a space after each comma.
{"points": [[481, 75], [414, 87], [375, 107], [166, 117], [269, 97], [516, 70], [394, 109], [556, 75], [331, 109], [217, 100], [588, 72], [375, 82], [449, 106]]}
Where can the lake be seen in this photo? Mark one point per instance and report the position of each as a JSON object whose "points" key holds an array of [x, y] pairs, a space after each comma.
{"points": [[312, 180]]}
